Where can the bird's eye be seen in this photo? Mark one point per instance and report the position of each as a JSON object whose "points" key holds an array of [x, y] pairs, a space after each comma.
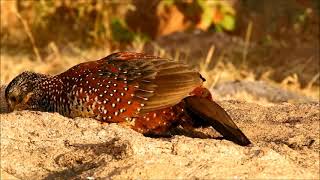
{"points": [[13, 99], [16, 99]]}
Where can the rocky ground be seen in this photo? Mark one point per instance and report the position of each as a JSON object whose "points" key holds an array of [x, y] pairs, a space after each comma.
{"points": [[285, 138]]}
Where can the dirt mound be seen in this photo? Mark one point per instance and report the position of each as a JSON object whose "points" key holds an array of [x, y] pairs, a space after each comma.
{"points": [[38, 145]]}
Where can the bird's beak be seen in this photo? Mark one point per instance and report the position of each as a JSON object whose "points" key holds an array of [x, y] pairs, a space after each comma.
{"points": [[11, 106], [23, 105]]}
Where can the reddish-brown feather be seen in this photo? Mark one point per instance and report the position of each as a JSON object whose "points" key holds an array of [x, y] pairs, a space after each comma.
{"points": [[149, 94], [101, 90]]}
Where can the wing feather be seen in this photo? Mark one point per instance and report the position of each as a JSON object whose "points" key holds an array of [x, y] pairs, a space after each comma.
{"points": [[160, 82]]}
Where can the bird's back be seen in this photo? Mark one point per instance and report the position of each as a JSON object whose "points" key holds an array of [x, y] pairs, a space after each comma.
{"points": [[126, 85]]}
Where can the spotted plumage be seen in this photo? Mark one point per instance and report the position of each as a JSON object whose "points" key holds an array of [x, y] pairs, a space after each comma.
{"points": [[146, 93]]}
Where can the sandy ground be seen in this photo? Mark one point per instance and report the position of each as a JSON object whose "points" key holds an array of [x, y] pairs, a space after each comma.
{"points": [[37, 145]]}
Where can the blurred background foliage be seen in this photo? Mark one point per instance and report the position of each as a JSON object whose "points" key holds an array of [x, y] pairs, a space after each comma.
{"points": [[101, 22], [98, 22], [274, 38]]}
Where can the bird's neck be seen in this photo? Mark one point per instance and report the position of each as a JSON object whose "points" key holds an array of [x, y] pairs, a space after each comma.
{"points": [[53, 95]]}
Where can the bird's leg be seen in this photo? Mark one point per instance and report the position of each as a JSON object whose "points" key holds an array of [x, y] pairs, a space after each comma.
{"points": [[165, 132], [188, 127]]}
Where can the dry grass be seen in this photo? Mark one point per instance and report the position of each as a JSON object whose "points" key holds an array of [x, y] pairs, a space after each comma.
{"points": [[226, 71], [56, 63], [295, 73]]}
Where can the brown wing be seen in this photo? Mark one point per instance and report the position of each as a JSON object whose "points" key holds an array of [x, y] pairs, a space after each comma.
{"points": [[158, 82]]}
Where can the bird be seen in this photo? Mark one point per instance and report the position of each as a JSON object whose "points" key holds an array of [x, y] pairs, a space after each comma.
{"points": [[149, 94]]}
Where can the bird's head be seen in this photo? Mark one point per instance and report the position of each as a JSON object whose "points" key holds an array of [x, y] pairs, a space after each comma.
{"points": [[22, 89]]}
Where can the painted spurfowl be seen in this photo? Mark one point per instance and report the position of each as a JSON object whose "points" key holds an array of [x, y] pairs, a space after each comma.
{"points": [[149, 94]]}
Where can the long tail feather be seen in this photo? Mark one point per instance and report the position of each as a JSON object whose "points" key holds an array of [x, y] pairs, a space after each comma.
{"points": [[211, 113]]}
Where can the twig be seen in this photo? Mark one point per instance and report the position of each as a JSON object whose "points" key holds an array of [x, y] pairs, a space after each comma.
{"points": [[247, 42], [313, 80], [217, 78], [176, 56], [209, 56], [29, 34]]}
